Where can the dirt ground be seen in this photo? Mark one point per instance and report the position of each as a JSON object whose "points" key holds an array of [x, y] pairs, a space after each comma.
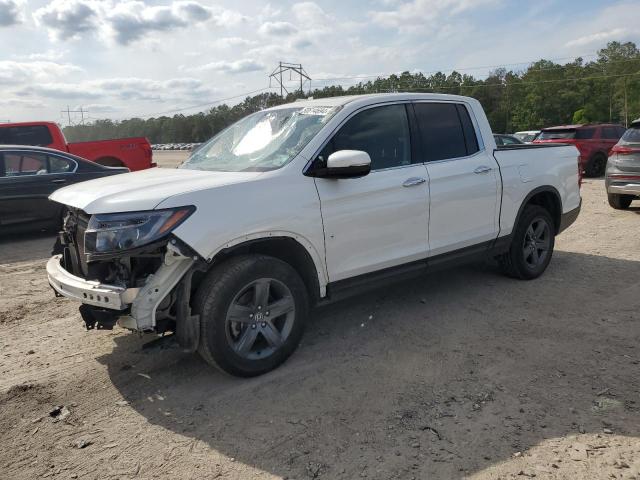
{"points": [[461, 374]]}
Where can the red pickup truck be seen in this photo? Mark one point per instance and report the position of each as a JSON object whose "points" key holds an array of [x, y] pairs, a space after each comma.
{"points": [[594, 142], [133, 153]]}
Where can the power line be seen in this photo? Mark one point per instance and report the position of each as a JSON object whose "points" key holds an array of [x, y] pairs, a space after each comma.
{"points": [[284, 67], [485, 67]]}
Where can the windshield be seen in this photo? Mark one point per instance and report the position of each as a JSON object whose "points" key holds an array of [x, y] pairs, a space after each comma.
{"points": [[632, 135], [263, 141], [525, 137]]}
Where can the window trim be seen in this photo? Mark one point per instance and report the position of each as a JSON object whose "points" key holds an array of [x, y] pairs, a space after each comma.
{"points": [[22, 152], [309, 165]]}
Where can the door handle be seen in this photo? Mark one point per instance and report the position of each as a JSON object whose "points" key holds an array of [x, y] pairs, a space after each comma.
{"points": [[482, 169], [58, 180], [410, 182]]}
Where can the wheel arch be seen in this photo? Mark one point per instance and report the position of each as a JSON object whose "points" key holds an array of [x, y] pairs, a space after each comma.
{"points": [[110, 161], [289, 249], [547, 197]]}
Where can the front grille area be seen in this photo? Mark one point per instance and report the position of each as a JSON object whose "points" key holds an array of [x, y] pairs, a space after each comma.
{"points": [[72, 239]]}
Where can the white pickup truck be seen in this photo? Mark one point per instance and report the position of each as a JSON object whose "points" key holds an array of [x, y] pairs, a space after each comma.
{"points": [[301, 204]]}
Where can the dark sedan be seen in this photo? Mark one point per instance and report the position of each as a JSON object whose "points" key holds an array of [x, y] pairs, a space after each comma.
{"points": [[28, 175]]}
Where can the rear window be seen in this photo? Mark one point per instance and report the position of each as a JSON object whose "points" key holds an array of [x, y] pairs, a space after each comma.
{"points": [[632, 135], [36, 135], [557, 134], [567, 134]]}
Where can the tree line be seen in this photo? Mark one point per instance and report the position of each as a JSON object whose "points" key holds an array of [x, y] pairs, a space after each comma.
{"points": [[606, 89]]}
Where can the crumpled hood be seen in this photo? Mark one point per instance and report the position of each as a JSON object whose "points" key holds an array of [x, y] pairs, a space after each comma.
{"points": [[142, 190]]}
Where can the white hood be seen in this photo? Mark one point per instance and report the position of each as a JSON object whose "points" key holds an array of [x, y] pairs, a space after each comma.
{"points": [[142, 190]]}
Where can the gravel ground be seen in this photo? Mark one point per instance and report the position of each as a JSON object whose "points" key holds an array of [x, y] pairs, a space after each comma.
{"points": [[462, 374]]}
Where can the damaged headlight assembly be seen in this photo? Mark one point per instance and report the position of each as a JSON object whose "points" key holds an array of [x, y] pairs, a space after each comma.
{"points": [[115, 232]]}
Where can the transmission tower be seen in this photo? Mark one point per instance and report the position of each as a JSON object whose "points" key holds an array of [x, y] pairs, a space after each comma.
{"points": [[69, 112], [292, 68]]}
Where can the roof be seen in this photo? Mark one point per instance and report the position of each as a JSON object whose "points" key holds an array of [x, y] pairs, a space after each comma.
{"points": [[369, 98], [35, 148], [580, 125], [26, 124]]}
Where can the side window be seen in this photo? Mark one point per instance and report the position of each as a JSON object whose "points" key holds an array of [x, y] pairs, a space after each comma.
{"points": [[442, 132], [382, 132], [469, 132], [60, 165], [19, 164], [610, 133], [585, 133], [621, 131], [36, 135], [498, 140]]}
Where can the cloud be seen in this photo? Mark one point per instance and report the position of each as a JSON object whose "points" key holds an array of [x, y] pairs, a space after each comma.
{"points": [[235, 67], [10, 13], [131, 20], [278, 29], [310, 15], [120, 89], [232, 42], [421, 14], [125, 21], [599, 37], [67, 19], [15, 72]]}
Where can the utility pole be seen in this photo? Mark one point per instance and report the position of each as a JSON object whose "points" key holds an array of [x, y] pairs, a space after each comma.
{"points": [[626, 105], [292, 68]]}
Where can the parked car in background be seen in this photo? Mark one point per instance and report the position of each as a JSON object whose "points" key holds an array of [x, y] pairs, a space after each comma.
{"points": [[622, 178], [28, 175], [594, 141], [503, 140], [319, 199], [134, 153], [527, 136]]}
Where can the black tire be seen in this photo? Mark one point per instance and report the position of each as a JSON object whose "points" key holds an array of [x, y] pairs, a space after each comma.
{"points": [[220, 291], [619, 202], [515, 263], [596, 166]]}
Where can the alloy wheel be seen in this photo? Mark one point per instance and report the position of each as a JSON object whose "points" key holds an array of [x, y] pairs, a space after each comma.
{"points": [[260, 318]]}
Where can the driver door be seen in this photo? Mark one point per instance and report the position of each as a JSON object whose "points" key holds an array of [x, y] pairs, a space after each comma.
{"points": [[379, 220]]}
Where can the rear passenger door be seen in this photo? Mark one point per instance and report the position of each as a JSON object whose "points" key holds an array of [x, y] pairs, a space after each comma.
{"points": [[464, 180]]}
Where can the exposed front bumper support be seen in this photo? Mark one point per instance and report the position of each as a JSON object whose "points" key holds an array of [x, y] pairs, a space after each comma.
{"points": [[89, 292], [143, 301]]}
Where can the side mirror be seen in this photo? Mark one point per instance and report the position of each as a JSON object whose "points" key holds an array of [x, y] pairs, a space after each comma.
{"points": [[346, 164]]}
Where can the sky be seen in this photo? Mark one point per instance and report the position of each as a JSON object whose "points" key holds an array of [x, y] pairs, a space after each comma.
{"points": [[124, 58]]}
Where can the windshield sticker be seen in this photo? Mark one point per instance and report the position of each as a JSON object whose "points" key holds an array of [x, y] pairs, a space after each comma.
{"points": [[320, 111]]}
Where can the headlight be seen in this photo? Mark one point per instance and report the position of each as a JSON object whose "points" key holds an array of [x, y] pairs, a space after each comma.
{"points": [[113, 232]]}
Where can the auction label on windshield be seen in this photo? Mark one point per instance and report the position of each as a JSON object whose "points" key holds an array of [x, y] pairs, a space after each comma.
{"points": [[322, 111]]}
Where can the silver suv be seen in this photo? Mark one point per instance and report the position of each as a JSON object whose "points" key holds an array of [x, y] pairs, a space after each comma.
{"points": [[622, 177]]}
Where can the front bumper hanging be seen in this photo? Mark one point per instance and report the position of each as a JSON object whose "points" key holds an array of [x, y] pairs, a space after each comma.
{"points": [[135, 307]]}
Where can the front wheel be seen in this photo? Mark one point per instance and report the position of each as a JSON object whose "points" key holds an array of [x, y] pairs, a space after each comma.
{"points": [[619, 202], [253, 310], [531, 246]]}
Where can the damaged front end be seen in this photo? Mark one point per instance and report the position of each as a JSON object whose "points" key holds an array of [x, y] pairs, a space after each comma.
{"points": [[128, 269]]}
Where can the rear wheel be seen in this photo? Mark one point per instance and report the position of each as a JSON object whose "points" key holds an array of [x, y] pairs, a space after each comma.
{"points": [[619, 202], [531, 246], [253, 310], [596, 166]]}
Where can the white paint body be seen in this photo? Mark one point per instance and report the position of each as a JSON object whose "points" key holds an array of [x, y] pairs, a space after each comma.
{"points": [[352, 226]]}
